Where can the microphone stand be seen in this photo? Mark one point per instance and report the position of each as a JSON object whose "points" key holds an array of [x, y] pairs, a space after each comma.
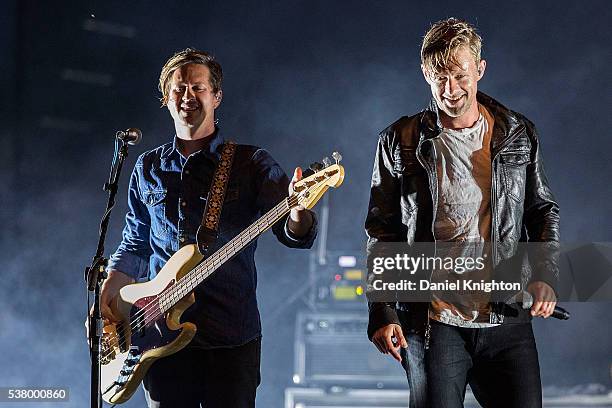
{"points": [[95, 274]]}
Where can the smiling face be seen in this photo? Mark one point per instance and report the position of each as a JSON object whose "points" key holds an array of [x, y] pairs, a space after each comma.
{"points": [[454, 88], [192, 101]]}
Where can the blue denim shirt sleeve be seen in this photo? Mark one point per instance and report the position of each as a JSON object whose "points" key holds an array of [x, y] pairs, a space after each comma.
{"points": [[273, 186], [132, 255]]}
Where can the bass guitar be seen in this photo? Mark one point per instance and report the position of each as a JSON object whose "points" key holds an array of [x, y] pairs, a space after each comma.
{"points": [[150, 312]]}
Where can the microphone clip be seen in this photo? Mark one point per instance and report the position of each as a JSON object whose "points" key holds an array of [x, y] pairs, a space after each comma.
{"points": [[131, 136]]}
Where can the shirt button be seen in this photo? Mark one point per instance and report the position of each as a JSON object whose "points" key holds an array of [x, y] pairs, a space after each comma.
{"points": [[183, 203], [187, 172]]}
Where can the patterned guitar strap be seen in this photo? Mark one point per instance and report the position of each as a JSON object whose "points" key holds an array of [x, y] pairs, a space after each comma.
{"points": [[209, 229]]}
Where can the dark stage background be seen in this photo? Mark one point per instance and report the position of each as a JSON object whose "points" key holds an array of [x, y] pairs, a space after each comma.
{"points": [[302, 78]]}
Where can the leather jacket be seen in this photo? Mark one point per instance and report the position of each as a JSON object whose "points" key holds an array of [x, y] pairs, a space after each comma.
{"points": [[404, 190]]}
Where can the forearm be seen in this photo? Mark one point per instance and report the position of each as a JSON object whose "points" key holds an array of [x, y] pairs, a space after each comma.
{"points": [[381, 314]]}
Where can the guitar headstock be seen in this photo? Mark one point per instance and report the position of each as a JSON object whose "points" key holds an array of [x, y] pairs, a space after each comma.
{"points": [[309, 190]]}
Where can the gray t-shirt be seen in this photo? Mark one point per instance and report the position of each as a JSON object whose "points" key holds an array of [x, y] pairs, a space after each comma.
{"points": [[463, 216]]}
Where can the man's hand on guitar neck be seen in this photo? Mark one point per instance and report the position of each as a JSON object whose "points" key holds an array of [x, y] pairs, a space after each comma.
{"points": [[115, 281], [300, 220]]}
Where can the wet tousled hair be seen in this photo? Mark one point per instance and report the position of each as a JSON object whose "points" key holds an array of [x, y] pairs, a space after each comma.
{"points": [[189, 56], [442, 41]]}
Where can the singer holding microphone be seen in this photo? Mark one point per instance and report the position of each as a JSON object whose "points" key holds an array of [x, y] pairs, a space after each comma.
{"points": [[467, 174], [168, 191]]}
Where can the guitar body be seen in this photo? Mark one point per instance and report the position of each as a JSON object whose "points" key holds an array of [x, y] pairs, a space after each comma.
{"points": [[133, 351]]}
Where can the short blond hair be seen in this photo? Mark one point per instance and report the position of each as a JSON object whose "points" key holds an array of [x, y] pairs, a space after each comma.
{"points": [[189, 56], [442, 40]]}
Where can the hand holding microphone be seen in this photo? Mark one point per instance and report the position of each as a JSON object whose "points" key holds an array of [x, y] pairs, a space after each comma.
{"points": [[545, 302]]}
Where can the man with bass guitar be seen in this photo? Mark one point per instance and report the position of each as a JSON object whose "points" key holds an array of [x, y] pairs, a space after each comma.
{"points": [[168, 190]]}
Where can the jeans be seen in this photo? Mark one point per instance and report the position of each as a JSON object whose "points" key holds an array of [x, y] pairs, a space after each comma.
{"points": [[214, 378], [500, 364], [413, 361]]}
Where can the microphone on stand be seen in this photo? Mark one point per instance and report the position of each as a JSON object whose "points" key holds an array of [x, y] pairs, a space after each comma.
{"points": [[559, 312], [131, 136]]}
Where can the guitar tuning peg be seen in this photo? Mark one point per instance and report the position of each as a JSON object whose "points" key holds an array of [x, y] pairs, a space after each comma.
{"points": [[327, 161], [337, 157], [316, 166]]}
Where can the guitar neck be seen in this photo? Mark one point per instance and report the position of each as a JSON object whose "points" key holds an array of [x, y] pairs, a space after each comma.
{"points": [[198, 274]]}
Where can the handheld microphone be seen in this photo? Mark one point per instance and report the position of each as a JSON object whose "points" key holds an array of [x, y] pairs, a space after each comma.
{"points": [[558, 313], [131, 136]]}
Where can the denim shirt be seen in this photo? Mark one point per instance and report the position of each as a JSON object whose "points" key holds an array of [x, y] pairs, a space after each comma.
{"points": [[166, 200]]}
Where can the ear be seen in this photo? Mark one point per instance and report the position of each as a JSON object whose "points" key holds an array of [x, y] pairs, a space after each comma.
{"points": [[482, 65], [218, 98]]}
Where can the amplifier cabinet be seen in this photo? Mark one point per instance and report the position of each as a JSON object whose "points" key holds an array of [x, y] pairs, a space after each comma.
{"points": [[333, 348]]}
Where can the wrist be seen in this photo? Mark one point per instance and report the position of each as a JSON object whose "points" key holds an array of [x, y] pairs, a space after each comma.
{"points": [[299, 222]]}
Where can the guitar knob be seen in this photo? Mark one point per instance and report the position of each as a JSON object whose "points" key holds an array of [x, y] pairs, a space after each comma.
{"points": [[337, 157], [316, 166], [327, 161]]}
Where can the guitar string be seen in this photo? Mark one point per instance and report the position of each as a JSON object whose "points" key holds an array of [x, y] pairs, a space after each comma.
{"points": [[154, 306]]}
